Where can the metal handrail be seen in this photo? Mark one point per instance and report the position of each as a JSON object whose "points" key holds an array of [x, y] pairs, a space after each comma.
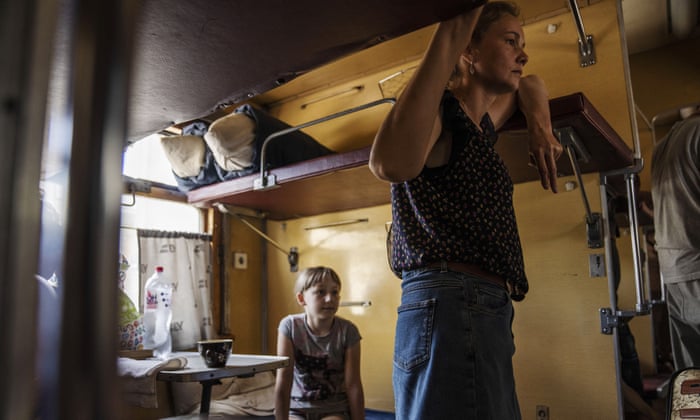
{"points": [[263, 182]]}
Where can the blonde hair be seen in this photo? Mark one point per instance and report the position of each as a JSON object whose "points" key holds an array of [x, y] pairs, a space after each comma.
{"points": [[314, 275], [491, 12]]}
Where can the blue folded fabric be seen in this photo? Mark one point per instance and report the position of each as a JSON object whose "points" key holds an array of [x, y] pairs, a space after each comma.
{"points": [[207, 175]]}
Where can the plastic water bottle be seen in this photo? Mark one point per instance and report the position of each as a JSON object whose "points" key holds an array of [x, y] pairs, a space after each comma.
{"points": [[157, 314]]}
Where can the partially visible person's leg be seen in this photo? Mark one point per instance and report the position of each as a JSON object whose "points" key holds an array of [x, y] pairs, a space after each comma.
{"points": [[683, 302]]}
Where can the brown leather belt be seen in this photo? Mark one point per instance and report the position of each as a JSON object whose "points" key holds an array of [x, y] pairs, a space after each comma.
{"points": [[471, 269]]}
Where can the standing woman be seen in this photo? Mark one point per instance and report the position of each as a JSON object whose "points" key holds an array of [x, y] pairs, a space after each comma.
{"points": [[454, 234]]}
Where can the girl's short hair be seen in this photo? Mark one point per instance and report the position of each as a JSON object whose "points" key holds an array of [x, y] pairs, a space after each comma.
{"points": [[491, 12], [313, 275]]}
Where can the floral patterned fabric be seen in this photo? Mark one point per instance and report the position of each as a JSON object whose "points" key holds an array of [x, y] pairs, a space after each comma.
{"points": [[685, 394], [131, 328], [463, 211]]}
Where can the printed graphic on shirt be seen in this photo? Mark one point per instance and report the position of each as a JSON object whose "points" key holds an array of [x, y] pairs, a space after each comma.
{"points": [[317, 376]]}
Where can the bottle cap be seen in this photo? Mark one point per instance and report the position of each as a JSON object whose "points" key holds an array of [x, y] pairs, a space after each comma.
{"points": [[159, 269]]}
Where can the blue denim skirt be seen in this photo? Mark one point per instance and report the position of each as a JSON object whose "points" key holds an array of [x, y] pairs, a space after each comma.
{"points": [[453, 349]]}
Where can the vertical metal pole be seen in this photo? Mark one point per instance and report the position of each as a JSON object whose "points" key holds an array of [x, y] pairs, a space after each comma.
{"points": [[577, 171], [642, 303], [628, 82], [607, 241], [99, 68], [612, 291], [224, 300], [578, 21], [264, 292], [26, 30], [586, 48]]}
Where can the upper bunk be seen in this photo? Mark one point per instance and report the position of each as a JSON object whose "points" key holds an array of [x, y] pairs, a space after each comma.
{"points": [[343, 181]]}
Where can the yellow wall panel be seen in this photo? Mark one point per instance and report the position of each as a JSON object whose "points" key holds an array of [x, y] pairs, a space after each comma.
{"points": [[244, 301], [562, 360]]}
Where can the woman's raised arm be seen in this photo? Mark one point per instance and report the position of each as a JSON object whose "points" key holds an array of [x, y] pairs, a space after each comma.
{"points": [[412, 126]]}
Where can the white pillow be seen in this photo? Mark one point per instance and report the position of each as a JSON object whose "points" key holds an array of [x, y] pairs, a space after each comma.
{"points": [[186, 154], [231, 141]]}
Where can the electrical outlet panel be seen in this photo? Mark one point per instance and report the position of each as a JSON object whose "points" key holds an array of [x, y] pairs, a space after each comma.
{"points": [[542, 412], [596, 265], [240, 260]]}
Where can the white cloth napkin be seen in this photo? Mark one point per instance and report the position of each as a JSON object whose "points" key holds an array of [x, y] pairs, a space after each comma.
{"points": [[140, 378]]}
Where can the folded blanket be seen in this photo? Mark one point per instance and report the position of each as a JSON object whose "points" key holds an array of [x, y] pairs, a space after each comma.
{"points": [[140, 376], [235, 396], [260, 402]]}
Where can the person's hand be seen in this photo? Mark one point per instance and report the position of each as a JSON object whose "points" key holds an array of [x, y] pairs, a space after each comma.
{"points": [[545, 150], [646, 204]]}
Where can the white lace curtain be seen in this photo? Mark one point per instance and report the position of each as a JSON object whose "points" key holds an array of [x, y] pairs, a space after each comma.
{"points": [[186, 261]]}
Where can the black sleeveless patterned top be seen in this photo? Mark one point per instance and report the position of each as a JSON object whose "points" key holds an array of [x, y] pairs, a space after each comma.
{"points": [[463, 211]]}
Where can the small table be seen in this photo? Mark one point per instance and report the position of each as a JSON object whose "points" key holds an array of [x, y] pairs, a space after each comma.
{"points": [[240, 365]]}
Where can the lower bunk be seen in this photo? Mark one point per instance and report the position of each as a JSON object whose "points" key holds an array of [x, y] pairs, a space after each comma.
{"points": [[369, 415], [235, 398]]}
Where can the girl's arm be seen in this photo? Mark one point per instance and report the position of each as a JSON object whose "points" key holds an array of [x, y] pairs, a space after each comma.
{"points": [[353, 383], [412, 127], [285, 376]]}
